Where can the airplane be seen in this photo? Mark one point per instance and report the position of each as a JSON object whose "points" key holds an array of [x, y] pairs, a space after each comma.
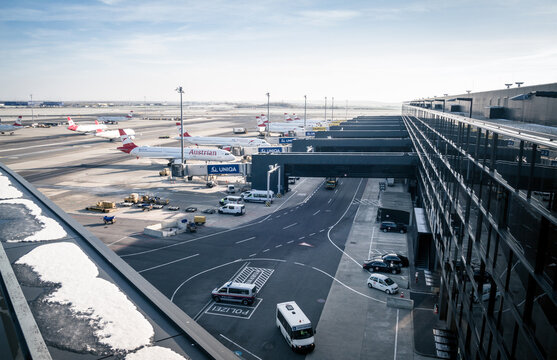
{"points": [[172, 154], [5, 128], [114, 134], [221, 141], [115, 119], [277, 127], [309, 122], [84, 128]]}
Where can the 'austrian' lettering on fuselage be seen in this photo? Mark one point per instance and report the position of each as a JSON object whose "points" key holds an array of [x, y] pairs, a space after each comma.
{"points": [[202, 152]]}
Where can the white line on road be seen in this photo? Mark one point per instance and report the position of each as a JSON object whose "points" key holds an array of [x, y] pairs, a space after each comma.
{"points": [[321, 230], [311, 234], [168, 263], [370, 243], [276, 217], [317, 212], [249, 352], [290, 242], [248, 239], [301, 238], [288, 226], [116, 241], [297, 263], [328, 202], [276, 247], [396, 331], [265, 250], [252, 255]]}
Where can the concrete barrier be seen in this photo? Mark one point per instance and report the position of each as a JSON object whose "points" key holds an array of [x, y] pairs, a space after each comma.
{"points": [[400, 303]]}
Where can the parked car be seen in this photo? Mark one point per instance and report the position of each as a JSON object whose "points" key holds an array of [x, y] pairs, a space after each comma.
{"points": [[173, 208], [383, 283], [396, 259], [392, 226], [191, 209], [291, 180], [209, 211], [380, 265]]}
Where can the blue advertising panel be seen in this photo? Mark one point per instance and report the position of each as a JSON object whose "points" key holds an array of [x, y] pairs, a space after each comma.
{"points": [[310, 133], [544, 152], [285, 140], [223, 169], [266, 150]]}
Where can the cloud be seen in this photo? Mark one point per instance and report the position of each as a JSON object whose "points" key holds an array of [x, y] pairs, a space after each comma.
{"points": [[327, 17]]}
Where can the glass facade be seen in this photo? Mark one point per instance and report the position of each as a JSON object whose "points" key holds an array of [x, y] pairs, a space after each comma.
{"points": [[491, 196]]}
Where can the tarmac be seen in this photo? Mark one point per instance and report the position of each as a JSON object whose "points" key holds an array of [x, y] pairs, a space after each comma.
{"points": [[353, 308]]}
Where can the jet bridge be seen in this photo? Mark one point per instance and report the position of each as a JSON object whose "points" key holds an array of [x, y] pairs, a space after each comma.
{"points": [[357, 165]]}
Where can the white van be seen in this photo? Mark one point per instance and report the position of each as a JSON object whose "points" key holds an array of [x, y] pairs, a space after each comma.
{"points": [[258, 196], [295, 326], [234, 209], [234, 291], [231, 199]]}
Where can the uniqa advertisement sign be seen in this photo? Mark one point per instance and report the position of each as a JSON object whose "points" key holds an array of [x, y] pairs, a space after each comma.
{"points": [[223, 169]]}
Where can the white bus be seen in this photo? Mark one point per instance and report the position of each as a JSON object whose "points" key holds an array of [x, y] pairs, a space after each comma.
{"points": [[295, 326]]}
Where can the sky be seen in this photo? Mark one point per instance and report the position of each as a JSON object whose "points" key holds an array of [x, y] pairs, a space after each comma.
{"points": [[238, 50]]}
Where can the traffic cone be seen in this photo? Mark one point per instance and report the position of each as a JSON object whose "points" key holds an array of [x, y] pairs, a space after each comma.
{"points": [[402, 294]]}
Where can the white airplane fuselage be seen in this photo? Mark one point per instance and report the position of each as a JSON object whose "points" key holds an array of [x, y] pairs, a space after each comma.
{"points": [[174, 153], [114, 134], [224, 141]]}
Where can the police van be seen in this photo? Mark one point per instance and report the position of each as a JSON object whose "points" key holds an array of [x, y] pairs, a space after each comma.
{"points": [[295, 326], [235, 292], [258, 196]]}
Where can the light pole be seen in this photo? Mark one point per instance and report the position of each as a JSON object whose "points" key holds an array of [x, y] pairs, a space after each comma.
{"points": [[518, 83], [181, 91], [325, 109], [305, 109], [32, 114], [509, 85], [268, 114], [333, 108]]}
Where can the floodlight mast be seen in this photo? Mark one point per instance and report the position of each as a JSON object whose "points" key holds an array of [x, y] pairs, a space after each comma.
{"points": [[180, 90], [509, 85], [268, 114], [305, 110]]}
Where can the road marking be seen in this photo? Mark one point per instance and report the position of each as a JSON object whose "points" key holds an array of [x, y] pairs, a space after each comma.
{"points": [[248, 239], [396, 331], [370, 243], [289, 226], [276, 247], [297, 263], [290, 242], [276, 217], [249, 352], [168, 263], [317, 212], [321, 230], [301, 238], [198, 315], [311, 234], [116, 241], [252, 255], [328, 202], [265, 250]]}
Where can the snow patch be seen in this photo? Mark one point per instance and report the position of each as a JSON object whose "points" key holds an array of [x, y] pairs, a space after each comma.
{"points": [[154, 352], [115, 320], [7, 191], [51, 229]]}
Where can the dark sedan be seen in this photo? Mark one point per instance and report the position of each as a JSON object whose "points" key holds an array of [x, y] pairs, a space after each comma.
{"points": [[396, 259], [380, 265], [392, 226]]}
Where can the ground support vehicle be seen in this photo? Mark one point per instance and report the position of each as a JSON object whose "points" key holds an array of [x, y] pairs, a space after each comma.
{"points": [[133, 198], [199, 220], [109, 219], [103, 206], [191, 227]]}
